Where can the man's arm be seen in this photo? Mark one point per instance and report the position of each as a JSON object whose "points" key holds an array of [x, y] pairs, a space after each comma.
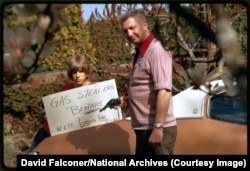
{"points": [[162, 104]]}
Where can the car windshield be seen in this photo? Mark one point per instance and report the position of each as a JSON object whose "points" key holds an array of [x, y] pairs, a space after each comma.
{"points": [[229, 109]]}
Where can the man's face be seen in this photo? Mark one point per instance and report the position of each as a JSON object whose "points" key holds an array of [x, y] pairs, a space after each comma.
{"points": [[135, 30]]}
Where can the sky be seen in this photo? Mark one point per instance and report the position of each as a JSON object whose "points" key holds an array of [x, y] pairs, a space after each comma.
{"points": [[88, 8]]}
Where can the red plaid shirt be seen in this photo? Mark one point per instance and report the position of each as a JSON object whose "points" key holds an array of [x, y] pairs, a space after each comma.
{"points": [[152, 71]]}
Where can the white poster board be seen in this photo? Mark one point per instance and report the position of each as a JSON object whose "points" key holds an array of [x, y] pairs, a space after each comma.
{"points": [[79, 108]]}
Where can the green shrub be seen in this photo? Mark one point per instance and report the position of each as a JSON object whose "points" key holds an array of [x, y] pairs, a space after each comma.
{"points": [[19, 100]]}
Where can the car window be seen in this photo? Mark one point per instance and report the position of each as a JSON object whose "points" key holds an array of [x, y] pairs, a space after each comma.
{"points": [[228, 109]]}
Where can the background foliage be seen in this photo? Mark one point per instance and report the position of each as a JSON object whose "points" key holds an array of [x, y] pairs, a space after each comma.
{"points": [[70, 39], [103, 42]]}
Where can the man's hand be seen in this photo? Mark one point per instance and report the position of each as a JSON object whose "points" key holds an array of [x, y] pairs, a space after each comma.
{"points": [[123, 101]]}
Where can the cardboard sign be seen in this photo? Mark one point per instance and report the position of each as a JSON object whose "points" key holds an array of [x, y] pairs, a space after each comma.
{"points": [[79, 108]]}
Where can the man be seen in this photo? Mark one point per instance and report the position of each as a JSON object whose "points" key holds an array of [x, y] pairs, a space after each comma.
{"points": [[149, 92]]}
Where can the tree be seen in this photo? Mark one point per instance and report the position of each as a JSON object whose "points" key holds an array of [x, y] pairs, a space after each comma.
{"points": [[226, 39], [41, 38], [70, 39], [26, 43], [108, 39]]}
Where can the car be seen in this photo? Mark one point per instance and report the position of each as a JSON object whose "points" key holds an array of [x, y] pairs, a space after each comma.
{"points": [[207, 124]]}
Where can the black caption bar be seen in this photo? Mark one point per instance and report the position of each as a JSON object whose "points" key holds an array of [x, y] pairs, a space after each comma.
{"points": [[26, 162]]}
